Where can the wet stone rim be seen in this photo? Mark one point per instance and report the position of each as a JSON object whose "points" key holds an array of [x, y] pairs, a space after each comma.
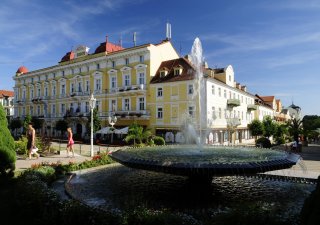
{"points": [[132, 158]]}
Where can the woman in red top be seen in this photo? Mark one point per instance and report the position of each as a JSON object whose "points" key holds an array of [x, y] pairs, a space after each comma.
{"points": [[70, 142]]}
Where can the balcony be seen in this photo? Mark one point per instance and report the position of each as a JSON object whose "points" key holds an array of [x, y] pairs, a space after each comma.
{"points": [[132, 113], [233, 122], [252, 107], [127, 90], [79, 94], [233, 102], [37, 100]]}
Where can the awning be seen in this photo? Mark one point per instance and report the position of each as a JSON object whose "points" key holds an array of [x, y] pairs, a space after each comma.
{"points": [[122, 131], [105, 130]]}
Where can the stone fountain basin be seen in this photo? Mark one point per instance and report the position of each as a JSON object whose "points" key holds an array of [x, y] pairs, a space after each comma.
{"points": [[206, 161]]}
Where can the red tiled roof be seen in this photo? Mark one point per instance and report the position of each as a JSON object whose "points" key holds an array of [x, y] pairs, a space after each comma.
{"points": [[108, 47], [186, 74], [68, 56], [267, 98], [4, 93], [22, 69]]}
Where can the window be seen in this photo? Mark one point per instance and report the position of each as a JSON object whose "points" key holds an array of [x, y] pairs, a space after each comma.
{"points": [[220, 112], [159, 92], [141, 58], [39, 92], [31, 110], [46, 91], [79, 87], [53, 110], [98, 66], [38, 110], [63, 89], [234, 95], [127, 80], [62, 73], [219, 92], [72, 87], [87, 86], [98, 84], [230, 95], [241, 99], [113, 105], [97, 105], [63, 109], [24, 94], [213, 112], [225, 93], [54, 90], [162, 74], [32, 95], [230, 78], [54, 75], [87, 107], [31, 79], [212, 90], [159, 113], [190, 89], [88, 68], [127, 61], [141, 104], [191, 111], [80, 70], [23, 111], [141, 78], [113, 64], [126, 104], [113, 82], [46, 77], [177, 72], [72, 71]]}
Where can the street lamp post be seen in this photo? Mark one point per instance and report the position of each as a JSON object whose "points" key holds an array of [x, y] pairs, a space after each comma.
{"points": [[112, 121], [92, 102]]}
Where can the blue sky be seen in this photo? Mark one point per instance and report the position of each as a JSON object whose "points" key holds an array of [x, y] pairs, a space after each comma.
{"points": [[273, 46]]}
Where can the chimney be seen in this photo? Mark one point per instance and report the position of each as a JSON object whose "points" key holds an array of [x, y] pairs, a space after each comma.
{"points": [[134, 39]]}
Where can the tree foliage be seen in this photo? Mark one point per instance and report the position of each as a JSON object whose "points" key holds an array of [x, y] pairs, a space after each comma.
{"points": [[37, 122], [96, 121], [138, 134], [61, 125], [26, 121], [295, 128], [256, 127], [7, 146], [269, 126]]}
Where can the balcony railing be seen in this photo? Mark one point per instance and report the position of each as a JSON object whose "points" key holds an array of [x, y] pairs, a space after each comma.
{"points": [[233, 102], [130, 113], [252, 107], [233, 122], [126, 89]]}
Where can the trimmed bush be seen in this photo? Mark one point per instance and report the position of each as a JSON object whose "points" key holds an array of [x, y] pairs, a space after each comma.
{"points": [[264, 142], [7, 147], [159, 140]]}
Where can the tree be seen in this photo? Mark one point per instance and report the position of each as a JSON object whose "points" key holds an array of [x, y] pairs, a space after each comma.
{"points": [[26, 121], [269, 126], [295, 128], [256, 128], [7, 147], [137, 133], [281, 132], [61, 125], [15, 124], [37, 123], [96, 121]]}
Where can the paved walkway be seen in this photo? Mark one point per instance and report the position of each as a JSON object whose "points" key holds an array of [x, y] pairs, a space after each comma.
{"points": [[309, 167]]}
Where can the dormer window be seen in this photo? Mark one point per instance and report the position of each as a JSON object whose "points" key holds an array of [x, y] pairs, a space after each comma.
{"points": [[113, 64], [177, 70], [127, 61], [163, 72]]}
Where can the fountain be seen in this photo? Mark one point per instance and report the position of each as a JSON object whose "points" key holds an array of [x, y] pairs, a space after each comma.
{"points": [[203, 161], [196, 180]]}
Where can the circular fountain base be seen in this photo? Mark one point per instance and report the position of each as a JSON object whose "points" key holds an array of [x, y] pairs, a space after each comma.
{"points": [[206, 162]]}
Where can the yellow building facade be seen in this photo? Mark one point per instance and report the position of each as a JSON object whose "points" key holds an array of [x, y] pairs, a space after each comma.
{"points": [[118, 77]]}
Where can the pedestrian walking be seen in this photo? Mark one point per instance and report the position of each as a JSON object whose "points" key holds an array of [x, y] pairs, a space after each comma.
{"points": [[70, 142], [31, 137]]}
